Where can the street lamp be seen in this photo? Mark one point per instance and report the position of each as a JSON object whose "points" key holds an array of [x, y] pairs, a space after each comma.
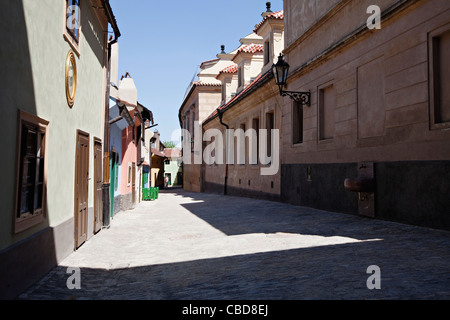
{"points": [[281, 71]]}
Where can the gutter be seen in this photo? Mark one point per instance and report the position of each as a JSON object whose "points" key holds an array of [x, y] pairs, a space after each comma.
{"points": [[111, 18]]}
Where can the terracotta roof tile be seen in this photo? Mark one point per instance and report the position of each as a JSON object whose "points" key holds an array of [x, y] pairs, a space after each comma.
{"points": [[252, 48], [276, 15], [158, 153], [204, 84], [230, 69], [173, 153]]}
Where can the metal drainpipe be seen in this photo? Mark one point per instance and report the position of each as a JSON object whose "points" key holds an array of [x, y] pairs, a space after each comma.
{"points": [[226, 150], [107, 144]]}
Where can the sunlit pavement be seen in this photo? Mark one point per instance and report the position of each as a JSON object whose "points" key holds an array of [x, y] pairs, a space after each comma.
{"points": [[212, 247]]}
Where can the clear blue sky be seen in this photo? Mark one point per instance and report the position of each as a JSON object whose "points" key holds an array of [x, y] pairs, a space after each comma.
{"points": [[164, 42]]}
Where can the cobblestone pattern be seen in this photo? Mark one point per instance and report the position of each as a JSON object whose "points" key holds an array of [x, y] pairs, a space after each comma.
{"points": [[188, 246]]}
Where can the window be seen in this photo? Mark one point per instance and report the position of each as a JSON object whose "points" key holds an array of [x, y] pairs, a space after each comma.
{"points": [[244, 147], [31, 172], [129, 174], [326, 113], [193, 125], [270, 125], [72, 25], [138, 134], [255, 126], [297, 123], [224, 91], [266, 52], [440, 78], [73, 19], [240, 77]]}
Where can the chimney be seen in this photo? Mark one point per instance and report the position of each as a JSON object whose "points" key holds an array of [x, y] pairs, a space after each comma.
{"points": [[222, 48]]}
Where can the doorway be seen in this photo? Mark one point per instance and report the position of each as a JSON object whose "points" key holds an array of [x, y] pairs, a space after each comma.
{"points": [[133, 183], [114, 174], [168, 180], [98, 175], [81, 188]]}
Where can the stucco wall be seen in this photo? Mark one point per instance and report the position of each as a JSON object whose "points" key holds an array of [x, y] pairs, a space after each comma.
{"points": [[129, 156], [381, 88], [381, 112], [33, 57], [247, 179], [173, 168]]}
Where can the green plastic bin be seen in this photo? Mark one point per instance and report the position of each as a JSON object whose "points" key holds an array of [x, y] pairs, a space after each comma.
{"points": [[150, 194]]}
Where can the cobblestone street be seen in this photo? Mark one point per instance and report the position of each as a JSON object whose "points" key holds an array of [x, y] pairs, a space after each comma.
{"points": [[188, 246]]}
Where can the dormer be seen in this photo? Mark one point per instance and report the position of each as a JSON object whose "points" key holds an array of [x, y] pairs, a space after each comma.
{"points": [[208, 73], [249, 60], [271, 30], [229, 79]]}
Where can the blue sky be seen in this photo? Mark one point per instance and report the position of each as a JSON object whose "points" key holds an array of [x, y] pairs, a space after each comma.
{"points": [[164, 42]]}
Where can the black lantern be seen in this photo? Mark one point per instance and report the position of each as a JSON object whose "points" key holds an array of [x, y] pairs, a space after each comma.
{"points": [[281, 72]]}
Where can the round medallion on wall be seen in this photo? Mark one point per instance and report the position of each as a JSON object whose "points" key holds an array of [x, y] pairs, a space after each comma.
{"points": [[71, 78]]}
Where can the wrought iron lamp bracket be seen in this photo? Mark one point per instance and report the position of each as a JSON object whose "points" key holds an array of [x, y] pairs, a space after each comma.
{"points": [[301, 97]]}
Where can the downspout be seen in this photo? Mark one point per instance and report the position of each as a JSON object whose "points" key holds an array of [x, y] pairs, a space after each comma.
{"points": [[106, 174], [107, 145], [220, 113], [107, 140]]}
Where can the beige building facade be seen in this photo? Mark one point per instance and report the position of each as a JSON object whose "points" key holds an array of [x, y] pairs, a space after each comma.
{"points": [[227, 84], [255, 107], [374, 139], [378, 121]]}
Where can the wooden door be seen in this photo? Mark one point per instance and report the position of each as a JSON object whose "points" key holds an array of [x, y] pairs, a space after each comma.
{"points": [[98, 183], [81, 188]]}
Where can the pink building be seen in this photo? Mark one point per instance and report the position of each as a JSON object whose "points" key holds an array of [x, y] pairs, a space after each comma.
{"points": [[129, 185]]}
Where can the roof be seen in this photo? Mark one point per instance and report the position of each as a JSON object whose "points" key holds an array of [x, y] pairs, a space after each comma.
{"points": [[158, 153], [172, 153], [258, 82], [204, 84], [252, 48], [229, 70], [279, 15], [146, 113], [109, 14], [205, 63]]}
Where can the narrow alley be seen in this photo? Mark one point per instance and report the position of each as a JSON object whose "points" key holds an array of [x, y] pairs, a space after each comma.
{"points": [[190, 246]]}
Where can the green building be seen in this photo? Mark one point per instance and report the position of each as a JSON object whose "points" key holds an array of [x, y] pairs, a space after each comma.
{"points": [[54, 58]]}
